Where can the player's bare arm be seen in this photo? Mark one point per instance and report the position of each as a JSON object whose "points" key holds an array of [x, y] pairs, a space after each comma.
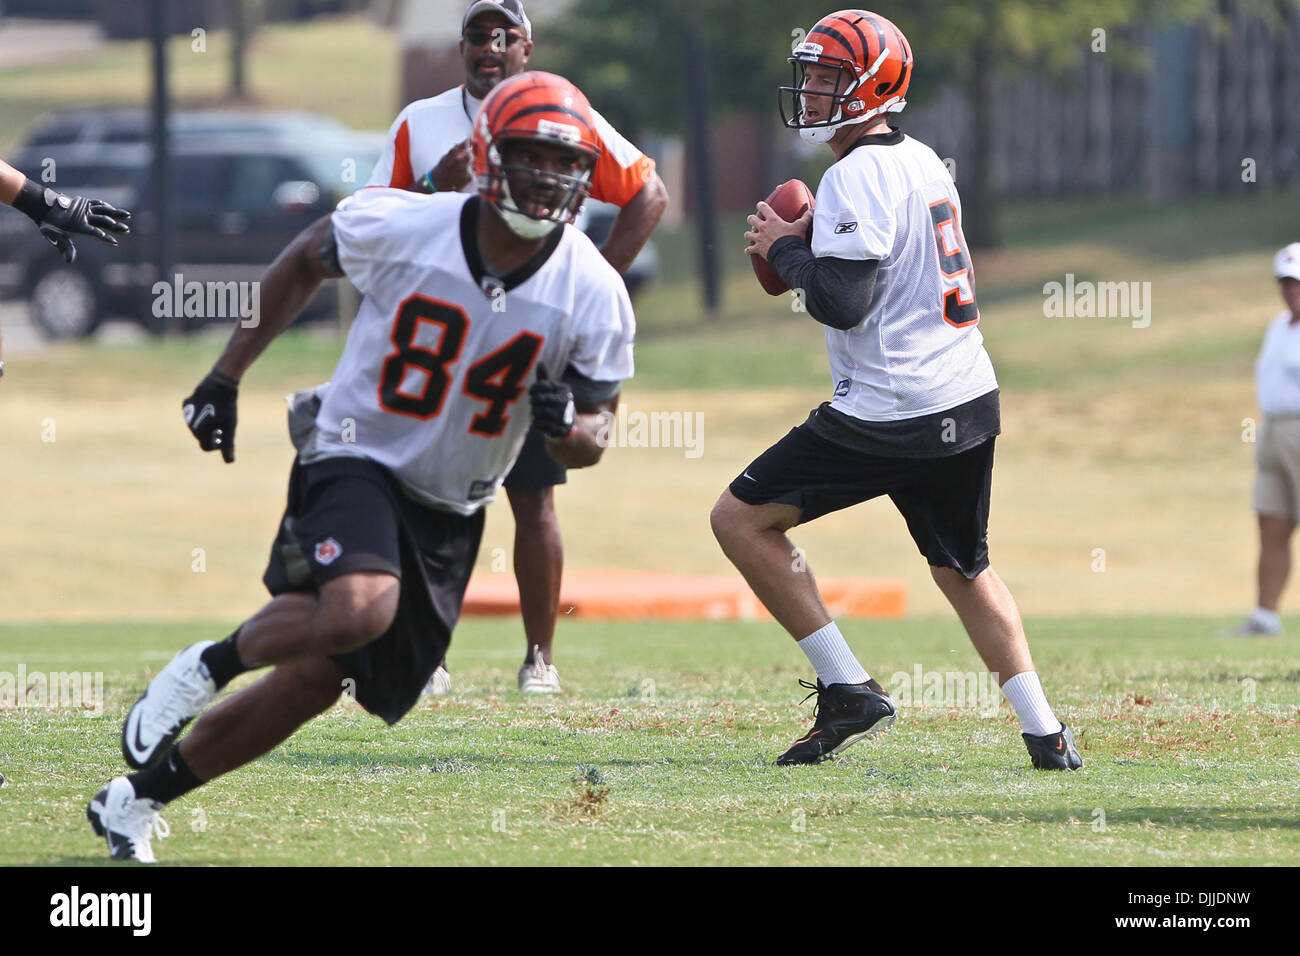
{"points": [[635, 222], [11, 180], [286, 287]]}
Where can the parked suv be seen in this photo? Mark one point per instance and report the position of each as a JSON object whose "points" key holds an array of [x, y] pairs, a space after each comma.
{"points": [[131, 126], [596, 219], [244, 183], [236, 202]]}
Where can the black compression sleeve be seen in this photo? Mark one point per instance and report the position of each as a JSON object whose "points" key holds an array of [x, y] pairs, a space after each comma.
{"points": [[589, 391], [328, 253], [836, 292]]}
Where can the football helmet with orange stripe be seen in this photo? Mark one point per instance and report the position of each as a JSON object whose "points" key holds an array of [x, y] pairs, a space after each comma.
{"points": [[851, 66], [535, 145]]}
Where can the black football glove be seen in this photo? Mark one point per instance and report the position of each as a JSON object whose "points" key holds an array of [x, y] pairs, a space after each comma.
{"points": [[210, 413], [66, 216], [553, 412]]}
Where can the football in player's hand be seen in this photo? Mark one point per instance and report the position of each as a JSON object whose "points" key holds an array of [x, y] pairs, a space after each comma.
{"points": [[789, 201]]}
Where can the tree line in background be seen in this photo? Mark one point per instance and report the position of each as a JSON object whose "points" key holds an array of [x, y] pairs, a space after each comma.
{"points": [[636, 61]]}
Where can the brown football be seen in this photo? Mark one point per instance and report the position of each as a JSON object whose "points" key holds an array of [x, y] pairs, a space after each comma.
{"points": [[789, 201]]}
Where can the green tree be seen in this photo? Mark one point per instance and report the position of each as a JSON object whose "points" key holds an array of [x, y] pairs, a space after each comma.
{"points": [[981, 43], [628, 57]]}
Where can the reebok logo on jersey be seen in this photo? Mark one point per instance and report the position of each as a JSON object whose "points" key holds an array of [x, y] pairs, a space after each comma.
{"points": [[327, 551], [844, 228]]}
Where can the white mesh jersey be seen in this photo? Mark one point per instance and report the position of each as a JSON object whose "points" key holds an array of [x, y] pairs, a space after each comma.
{"points": [[433, 381], [917, 349]]}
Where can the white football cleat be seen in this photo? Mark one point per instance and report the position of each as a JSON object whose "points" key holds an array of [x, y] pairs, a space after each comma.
{"points": [[539, 677], [128, 822], [174, 698], [439, 683]]}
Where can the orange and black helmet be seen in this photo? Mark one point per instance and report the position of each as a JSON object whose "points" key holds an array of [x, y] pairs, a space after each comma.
{"points": [[541, 108], [874, 64]]}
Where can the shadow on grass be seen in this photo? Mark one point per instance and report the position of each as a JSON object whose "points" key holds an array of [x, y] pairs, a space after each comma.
{"points": [[454, 762], [91, 860], [1197, 818]]}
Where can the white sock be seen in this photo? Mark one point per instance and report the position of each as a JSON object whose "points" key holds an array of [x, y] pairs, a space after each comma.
{"points": [[1263, 615], [1026, 696], [830, 656]]}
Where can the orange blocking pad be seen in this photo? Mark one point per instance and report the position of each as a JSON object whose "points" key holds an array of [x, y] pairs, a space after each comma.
{"points": [[638, 595]]}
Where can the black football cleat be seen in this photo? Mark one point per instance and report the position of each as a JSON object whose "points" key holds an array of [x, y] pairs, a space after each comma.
{"points": [[1053, 752], [845, 714]]}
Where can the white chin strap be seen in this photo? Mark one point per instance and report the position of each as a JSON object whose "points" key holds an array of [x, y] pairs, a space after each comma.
{"points": [[525, 227], [824, 134]]}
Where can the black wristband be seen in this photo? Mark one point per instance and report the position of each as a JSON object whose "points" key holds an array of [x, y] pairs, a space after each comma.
{"points": [[221, 378], [30, 201]]}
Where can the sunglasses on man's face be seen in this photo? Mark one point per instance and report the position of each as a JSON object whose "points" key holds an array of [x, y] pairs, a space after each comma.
{"points": [[482, 36]]}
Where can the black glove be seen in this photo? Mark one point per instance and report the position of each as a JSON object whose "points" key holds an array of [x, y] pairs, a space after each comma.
{"points": [[210, 413], [553, 412], [60, 217]]}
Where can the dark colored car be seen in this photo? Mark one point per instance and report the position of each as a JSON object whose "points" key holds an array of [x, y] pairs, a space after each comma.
{"points": [[244, 183], [128, 126], [596, 219], [236, 202]]}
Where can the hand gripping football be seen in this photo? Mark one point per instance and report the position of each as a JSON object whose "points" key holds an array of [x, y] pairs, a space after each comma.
{"points": [[789, 201]]}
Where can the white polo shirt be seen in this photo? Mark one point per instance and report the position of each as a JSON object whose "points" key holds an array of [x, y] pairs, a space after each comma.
{"points": [[1277, 370], [425, 130]]}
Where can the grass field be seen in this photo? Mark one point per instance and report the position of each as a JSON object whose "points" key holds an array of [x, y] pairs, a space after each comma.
{"points": [[1120, 519], [1188, 743], [1122, 447]]}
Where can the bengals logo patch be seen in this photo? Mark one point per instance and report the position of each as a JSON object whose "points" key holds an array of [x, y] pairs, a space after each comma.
{"points": [[327, 551]]}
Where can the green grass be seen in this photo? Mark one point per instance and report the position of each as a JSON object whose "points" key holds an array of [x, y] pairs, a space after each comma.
{"points": [[680, 722], [1114, 438], [360, 86]]}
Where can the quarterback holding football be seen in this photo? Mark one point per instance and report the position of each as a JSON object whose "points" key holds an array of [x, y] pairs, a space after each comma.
{"points": [[914, 411]]}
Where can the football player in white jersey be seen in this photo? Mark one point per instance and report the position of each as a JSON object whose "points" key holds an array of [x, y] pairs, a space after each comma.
{"points": [[914, 411], [427, 150], [483, 315]]}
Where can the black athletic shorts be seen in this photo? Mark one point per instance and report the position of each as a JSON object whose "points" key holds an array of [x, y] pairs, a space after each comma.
{"points": [[349, 514], [944, 500], [535, 469]]}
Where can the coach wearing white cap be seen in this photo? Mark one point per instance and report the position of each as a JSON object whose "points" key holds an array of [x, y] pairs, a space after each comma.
{"points": [[1277, 454]]}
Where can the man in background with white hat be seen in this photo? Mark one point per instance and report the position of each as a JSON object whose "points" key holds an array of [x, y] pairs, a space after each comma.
{"points": [[1277, 453]]}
